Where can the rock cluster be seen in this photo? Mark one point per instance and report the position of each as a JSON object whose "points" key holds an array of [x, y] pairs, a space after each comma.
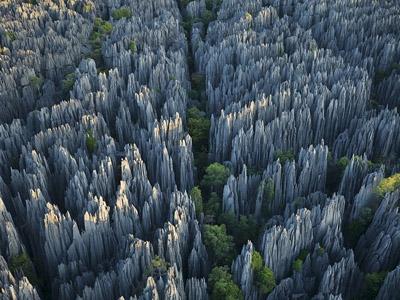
{"points": [[97, 165]]}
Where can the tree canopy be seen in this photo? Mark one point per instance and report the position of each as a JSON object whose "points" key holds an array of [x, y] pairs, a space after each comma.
{"points": [[222, 286], [216, 176], [219, 244], [264, 278]]}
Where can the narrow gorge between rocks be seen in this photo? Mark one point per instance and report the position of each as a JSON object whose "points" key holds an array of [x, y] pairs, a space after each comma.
{"points": [[205, 149]]}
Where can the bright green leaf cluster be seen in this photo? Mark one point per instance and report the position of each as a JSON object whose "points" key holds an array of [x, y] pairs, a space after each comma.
{"points": [[388, 185], [132, 46], [264, 277], [222, 286]]}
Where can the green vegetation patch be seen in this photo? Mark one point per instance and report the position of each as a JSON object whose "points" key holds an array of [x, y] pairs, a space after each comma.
{"points": [[68, 82], [388, 185], [36, 81], [219, 244], [215, 177], [121, 13], [157, 268], [284, 156], [133, 47], [197, 198], [264, 277], [221, 285], [91, 142], [372, 284], [22, 263]]}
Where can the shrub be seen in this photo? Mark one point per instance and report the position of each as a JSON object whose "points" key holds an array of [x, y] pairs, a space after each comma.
{"points": [[90, 141], [101, 28], [22, 263], [268, 197], [284, 156], [372, 284], [36, 82], [222, 286], [264, 277], [88, 8], [207, 17], [297, 265], [132, 47], [68, 82], [342, 163], [121, 13], [219, 244], [248, 17], [355, 229], [388, 185], [157, 268], [197, 198], [335, 172]]}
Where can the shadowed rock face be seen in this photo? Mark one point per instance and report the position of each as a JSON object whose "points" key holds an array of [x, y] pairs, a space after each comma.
{"points": [[97, 165]]}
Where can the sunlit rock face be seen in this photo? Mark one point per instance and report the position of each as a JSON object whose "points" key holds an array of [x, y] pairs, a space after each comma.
{"points": [[98, 157]]}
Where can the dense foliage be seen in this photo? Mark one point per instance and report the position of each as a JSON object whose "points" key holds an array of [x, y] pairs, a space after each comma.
{"points": [[219, 244], [222, 286]]}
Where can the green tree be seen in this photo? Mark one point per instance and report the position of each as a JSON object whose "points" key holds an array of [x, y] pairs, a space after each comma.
{"points": [[264, 278], [357, 227], [284, 156], [297, 265], [199, 127], [22, 263], [157, 268], [215, 177], [372, 284], [101, 28], [207, 17], [242, 230], [90, 141], [121, 13], [219, 244], [197, 198], [88, 8], [68, 83], [36, 81], [335, 171], [222, 286], [269, 195], [132, 46], [213, 206]]}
